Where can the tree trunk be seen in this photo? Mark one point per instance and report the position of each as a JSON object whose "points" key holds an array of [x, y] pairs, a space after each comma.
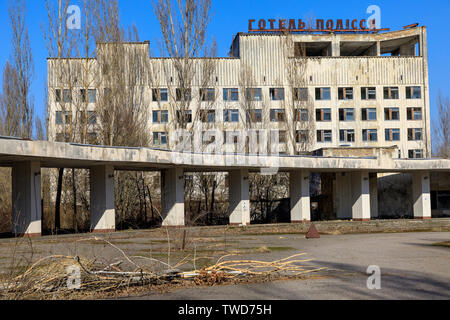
{"points": [[58, 200]]}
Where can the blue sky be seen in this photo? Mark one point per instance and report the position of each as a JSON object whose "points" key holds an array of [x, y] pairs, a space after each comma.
{"points": [[231, 17]]}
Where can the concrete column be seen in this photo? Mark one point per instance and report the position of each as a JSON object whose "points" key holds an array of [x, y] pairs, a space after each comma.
{"points": [[373, 181], [26, 199], [360, 196], [421, 195], [103, 213], [239, 197], [300, 201], [344, 195], [172, 197]]}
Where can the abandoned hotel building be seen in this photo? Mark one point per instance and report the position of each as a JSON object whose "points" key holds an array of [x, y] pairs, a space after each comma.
{"points": [[351, 106]]}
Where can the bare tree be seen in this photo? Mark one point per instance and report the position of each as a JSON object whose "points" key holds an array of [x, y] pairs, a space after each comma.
{"points": [[442, 127]]}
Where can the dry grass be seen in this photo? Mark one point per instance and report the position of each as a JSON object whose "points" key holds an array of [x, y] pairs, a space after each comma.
{"points": [[48, 277]]}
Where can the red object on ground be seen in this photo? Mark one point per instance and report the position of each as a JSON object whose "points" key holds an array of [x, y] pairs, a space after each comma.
{"points": [[313, 233]]}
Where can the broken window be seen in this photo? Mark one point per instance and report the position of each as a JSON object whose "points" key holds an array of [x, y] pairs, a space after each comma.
{"points": [[276, 94], [254, 116], [91, 96], [160, 95], [324, 136], [277, 115], [347, 135], [183, 94], [369, 114], [231, 115], [391, 93], [391, 114], [415, 134], [368, 93], [301, 94], [413, 92], [254, 94], [323, 114], [370, 135], [415, 154], [345, 93], [208, 94], [301, 115], [392, 134], [160, 116], [301, 136], [67, 96], [187, 116], [414, 113], [347, 114], [208, 116], [231, 94], [160, 138], [323, 93]]}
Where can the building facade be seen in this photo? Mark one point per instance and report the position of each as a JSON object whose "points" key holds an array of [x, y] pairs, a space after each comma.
{"points": [[327, 90]]}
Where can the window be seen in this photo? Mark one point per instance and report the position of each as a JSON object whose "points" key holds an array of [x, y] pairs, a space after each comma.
{"points": [[183, 94], [208, 116], [254, 94], [160, 95], [370, 135], [347, 135], [414, 113], [392, 134], [91, 96], [301, 136], [324, 136], [63, 117], [277, 115], [208, 94], [92, 117], [323, 114], [415, 134], [61, 137], [58, 95], [368, 93], [282, 136], [67, 96], [390, 92], [231, 115], [231, 94], [231, 137], [413, 92], [160, 138], [345, 93], [301, 115], [369, 114], [161, 116], [323, 94], [392, 114], [187, 116], [254, 116], [276, 94], [415, 154], [92, 137], [301, 94], [346, 114]]}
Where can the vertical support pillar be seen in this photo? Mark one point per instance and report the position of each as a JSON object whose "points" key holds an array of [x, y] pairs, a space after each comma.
{"points": [[103, 213], [421, 195], [239, 197], [172, 197], [344, 195], [360, 196], [26, 199], [300, 197], [373, 181]]}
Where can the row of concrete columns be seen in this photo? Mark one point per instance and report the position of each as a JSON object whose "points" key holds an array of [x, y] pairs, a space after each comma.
{"points": [[356, 193]]}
